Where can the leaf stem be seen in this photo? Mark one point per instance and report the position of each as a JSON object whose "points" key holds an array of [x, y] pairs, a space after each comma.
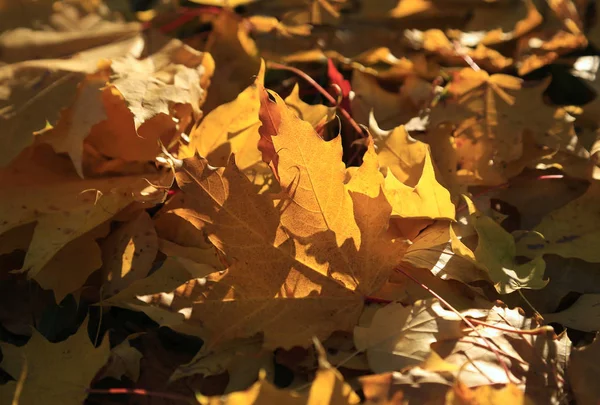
{"points": [[537, 331], [535, 311], [141, 392], [320, 89]]}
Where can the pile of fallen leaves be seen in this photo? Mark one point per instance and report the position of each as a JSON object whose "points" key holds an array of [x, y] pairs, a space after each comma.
{"points": [[288, 201]]}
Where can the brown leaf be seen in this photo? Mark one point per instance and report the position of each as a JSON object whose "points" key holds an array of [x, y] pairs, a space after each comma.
{"points": [[76, 358], [128, 253], [582, 372]]}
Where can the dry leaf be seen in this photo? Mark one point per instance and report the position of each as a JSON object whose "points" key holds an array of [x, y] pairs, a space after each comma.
{"points": [[75, 360], [128, 253], [400, 336], [124, 361], [327, 388], [496, 253], [582, 372], [582, 315], [569, 231]]}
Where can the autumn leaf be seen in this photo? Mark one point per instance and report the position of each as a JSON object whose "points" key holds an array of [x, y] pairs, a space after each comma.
{"points": [[328, 386], [114, 103], [407, 342], [69, 29], [427, 199], [582, 372], [281, 268], [69, 269], [24, 110], [75, 360], [64, 211], [318, 115], [496, 253], [230, 128], [220, 230], [124, 361], [488, 131], [486, 394], [390, 109], [569, 231], [128, 253], [582, 315]]}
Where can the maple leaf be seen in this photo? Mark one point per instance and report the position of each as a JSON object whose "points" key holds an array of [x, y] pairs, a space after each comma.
{"points": [[236, 55], [510, 393], [403, 155], [314, 253], [496, 253], [391, 109], [214, 362], [582, 372], [427, 199], [316, 114], [128, 105], [512, 21], [63, 210], [405, 341], [22, 112], [537, 52], [582, 315], [569, 231], [490, 116], [436, 42], [327, 387], [75, 361], [71, 266], [432, 249], [128, 253], [68, 29], [124, 361], [459, 353], [230, 128], [324, 206]]}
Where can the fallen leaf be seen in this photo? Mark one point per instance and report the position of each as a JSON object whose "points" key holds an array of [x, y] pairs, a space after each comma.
{"points": [[427, 199], [128, 253], [569, 231], [236, 55], [327, 387], [582, 315], [318, 115], [394, 345], [230, 128], [582, 372], [496, 253], [76, 360], [69, 269], [73, 30], [487, 395], [487, 130], [124, 361]]}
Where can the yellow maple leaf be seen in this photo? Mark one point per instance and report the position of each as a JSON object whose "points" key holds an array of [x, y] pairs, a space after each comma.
{"points": [[301, 261], [490, 115], [230, 128]]}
